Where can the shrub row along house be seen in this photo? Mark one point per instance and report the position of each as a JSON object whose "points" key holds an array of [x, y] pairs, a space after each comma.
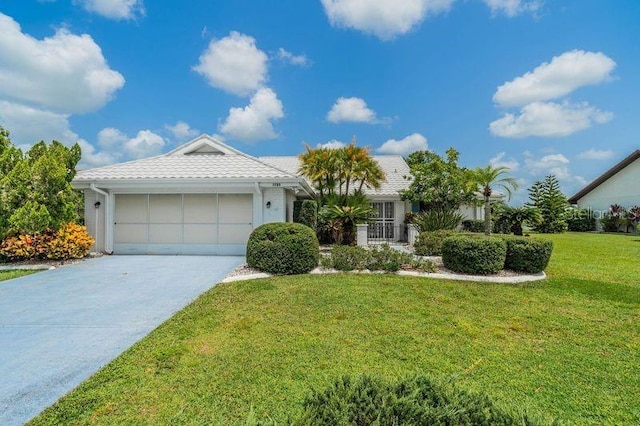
{"points": [[205, 197]]}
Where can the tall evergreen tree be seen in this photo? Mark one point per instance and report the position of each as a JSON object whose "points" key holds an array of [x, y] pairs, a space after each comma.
{"points": [[35, 188], [547, 197]]}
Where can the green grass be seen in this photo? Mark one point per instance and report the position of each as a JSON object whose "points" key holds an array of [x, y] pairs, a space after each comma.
{"points": [[568, 347], [14, 273]]}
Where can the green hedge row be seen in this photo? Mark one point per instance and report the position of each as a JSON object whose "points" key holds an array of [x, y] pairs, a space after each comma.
{"points": [[489, 255]]}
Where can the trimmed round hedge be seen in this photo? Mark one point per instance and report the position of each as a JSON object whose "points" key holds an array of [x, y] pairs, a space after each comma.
{"points": [[283, 248], [528, 255], [474, 255]]}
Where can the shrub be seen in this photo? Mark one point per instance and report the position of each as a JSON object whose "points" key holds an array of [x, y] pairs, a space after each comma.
{"points": [[306, 213], [434, 220], [349, 258], [473, 225], [528, 255], [72, 241], [382, 258], [430, 243], [283, 248], [480, 255], [30, 218], [415, 401], [22, 247], [579, 220]]}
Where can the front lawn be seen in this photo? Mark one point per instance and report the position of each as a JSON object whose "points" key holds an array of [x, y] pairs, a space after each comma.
{"points": [[14, 273], [568, 346]]}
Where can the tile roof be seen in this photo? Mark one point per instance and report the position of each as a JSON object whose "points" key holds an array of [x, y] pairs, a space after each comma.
{"points": [[190, 161], [394, 167]]}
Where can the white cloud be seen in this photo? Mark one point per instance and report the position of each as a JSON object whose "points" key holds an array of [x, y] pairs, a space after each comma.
{"points": [[351, 110], [65, 73], [548, 119], [181, 131], [552, 80], [110, 138], [500, 161], [414, 142], [332, 144], [288, 57], [254, 122], [145, 144], [511, 8], [113, 9], [234, 64], [552, 164], [385, 19], [596, 154]]}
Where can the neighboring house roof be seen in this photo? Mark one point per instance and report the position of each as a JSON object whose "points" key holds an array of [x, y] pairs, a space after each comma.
{"points": [[202, 158], [394, 167], [605, 176]]}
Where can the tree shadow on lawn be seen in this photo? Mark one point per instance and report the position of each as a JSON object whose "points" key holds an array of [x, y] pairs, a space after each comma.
{"points": [[600, 290]]}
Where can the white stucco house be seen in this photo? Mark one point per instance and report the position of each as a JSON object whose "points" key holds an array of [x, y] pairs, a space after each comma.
{"points": [[618, 185], [205, 197]]}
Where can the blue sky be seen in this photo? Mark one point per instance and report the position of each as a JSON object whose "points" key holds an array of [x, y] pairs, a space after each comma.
{"points": [[540, 86]]}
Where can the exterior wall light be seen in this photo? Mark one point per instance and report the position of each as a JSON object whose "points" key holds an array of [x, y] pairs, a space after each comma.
{"points": [[268, 204], [96, 204]]}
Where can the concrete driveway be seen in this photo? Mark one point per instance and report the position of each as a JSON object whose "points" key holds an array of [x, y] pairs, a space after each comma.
{"points": [[58, 327]]}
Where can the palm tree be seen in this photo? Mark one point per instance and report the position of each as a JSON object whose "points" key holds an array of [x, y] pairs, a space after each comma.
{"points": [[487, 179]]}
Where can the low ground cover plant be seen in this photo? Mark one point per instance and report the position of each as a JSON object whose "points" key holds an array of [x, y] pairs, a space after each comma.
{"points": [[417, 401], [474, 255], [283, 248], [374, 258]]}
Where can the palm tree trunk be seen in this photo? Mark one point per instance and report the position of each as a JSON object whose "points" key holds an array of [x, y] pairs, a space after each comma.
{"points": [[487, 215]]}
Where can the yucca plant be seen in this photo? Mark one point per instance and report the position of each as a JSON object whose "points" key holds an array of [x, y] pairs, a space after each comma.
{"points": [[435, 220]]}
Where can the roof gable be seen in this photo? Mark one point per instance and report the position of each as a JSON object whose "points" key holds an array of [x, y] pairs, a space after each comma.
{"points": [[605, 176], [204, 144]]}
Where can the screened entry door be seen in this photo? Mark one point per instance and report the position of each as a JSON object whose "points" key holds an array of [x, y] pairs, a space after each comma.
{"points": [[383, 228]]}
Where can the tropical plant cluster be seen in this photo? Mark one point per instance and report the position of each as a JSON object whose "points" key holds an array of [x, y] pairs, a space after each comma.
{"points": [[472, 254], [283, 248], [415, 400], [619, 219], [71, 241], [340, 177], [375, 258]]}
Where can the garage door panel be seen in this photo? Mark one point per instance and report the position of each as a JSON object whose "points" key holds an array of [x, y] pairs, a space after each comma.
{"points": [[200, 234], [131, 208], [131, 233], [200, 208], [234, 234], [236, 208], [165, 208], [165, 234]]}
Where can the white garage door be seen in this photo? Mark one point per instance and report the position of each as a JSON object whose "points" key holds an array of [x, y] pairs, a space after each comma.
{"points": [[182, 223]]}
